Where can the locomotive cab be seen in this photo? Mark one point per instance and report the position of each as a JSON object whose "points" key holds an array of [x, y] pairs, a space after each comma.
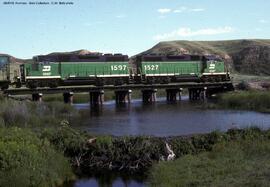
{"points": [[4, 72], [214, 69]]}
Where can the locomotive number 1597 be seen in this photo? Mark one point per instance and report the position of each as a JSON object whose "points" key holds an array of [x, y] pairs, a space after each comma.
{"points": [[118, 67]]}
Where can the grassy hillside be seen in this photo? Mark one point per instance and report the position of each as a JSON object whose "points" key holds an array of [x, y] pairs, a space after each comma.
{"points": [[243, 56], [77, 52]]}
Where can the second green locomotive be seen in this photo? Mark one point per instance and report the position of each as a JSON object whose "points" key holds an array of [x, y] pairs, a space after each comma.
{"points": [[180, 68]]}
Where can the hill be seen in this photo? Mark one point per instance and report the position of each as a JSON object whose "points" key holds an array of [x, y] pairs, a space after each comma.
{"points": [[242, 56], [77, 52]]}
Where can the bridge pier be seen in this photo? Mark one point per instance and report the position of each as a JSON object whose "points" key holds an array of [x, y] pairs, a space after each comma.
{"points": [[37, 97], [68, 97], [149, 95], [96, 97], [172, 94], [197, 93], [122, 96]]}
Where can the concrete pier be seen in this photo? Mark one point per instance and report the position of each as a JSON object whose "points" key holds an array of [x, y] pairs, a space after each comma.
{"points": [[149, 95], [197, 93], [172, 94], [122, 96], [68, 97], [37, 97], [96, 97]]}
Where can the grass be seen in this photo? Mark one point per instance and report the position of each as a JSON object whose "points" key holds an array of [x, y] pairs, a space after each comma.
{"points": [[29, 114], [237, 163], [245, 100], [26, 160], [238, 78]]}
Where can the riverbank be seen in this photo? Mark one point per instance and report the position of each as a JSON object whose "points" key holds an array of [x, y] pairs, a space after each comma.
{"points": [[243, 100], [242, 162], [88, 155], [32, 132]]}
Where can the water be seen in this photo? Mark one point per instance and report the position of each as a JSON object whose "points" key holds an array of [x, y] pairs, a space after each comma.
{"points": [[111, 180], [163, 119], [118, 182], [159, 119]]}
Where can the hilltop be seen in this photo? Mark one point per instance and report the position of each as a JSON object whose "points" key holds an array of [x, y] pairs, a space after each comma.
{"points": [[242, 56], [77, 52]]}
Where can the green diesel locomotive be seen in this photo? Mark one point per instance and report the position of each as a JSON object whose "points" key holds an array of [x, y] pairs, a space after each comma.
{"points": [[172, 68], [95, 70]]}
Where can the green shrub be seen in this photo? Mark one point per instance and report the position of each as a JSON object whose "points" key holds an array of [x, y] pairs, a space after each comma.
{"points": [[29, 114], [25, 160], [243, 85], [246, 100], [236, 163], [66, 139]]}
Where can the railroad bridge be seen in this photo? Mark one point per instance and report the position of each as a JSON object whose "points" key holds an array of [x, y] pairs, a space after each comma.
{"points": [[196, 91]]}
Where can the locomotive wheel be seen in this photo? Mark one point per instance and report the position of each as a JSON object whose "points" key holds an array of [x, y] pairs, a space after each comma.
{"points": [[99, 82], [18, 85], [53, 84], [166, 80], [150, 80], [4, 87], [118, 82], [32, 84]]}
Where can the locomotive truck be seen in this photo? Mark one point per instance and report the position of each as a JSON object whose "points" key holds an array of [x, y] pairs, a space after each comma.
{"points": [[117, 69]]}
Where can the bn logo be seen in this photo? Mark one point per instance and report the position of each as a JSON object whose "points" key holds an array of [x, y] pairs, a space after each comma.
{"points": [[46, 68]]}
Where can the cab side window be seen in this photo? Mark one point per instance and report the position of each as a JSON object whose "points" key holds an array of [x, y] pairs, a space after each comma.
{"points": [[35, 66], [3, 61]]}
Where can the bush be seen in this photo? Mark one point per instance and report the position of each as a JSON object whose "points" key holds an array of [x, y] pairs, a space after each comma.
{"points": [[29, 114], [248, 100], [243, 86], [25, 160], [237, 163]]}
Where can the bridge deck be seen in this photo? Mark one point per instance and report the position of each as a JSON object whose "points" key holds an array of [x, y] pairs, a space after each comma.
{"points": [[23, 91]]}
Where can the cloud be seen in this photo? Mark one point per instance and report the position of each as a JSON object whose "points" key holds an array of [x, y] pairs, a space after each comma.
{"points": [[263, 21], [258, 29], [188, 32], [196, 9], [89, 24], [179, 10], [120, 16], [164, 10]]}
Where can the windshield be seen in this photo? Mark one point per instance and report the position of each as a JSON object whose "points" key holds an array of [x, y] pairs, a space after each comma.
{"points": [[3, 61]]}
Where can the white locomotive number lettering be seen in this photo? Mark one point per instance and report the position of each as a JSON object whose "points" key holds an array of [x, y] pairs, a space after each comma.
{"points": [[151, 67], [118, 67], [46, 68], [46, 73]]}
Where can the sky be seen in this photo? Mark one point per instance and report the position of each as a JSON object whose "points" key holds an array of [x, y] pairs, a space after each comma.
{"points": [[125, 26]]}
